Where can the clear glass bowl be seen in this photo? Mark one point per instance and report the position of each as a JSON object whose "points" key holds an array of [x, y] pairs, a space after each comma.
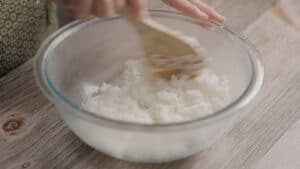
{"points": [[82, 55]]}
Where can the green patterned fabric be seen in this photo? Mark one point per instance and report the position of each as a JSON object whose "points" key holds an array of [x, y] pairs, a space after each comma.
{"points": [[24, 24]]}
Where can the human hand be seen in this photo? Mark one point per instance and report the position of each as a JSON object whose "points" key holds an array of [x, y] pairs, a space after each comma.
{"points": [[106, 8], [196, 9]]}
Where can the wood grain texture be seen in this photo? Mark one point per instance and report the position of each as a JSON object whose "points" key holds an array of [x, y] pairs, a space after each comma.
{"points": [[285, 153], [42, 140]]}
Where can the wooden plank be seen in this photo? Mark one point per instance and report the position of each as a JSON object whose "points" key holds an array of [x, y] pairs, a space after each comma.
{"points": [[33, 136], [285, 153], [277, 108]]}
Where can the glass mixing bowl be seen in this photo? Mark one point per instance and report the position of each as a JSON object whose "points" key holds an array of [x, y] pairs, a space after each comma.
{"points": [[77, 58]]}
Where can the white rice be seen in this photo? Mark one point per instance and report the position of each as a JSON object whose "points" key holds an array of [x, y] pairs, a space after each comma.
{"points": [[134, 97]]}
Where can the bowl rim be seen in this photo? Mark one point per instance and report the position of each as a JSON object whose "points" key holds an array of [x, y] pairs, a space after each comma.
{"points": [[54, 95]]}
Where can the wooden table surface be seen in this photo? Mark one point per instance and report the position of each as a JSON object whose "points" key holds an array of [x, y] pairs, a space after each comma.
{"points": [[33, 136]]}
